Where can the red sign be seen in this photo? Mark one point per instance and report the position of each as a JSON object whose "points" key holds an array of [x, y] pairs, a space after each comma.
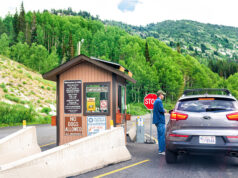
{"points": [[149, 101], [103, 104]]}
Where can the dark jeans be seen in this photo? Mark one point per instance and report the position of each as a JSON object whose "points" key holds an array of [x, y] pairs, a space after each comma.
{"points": [[161, 136]]}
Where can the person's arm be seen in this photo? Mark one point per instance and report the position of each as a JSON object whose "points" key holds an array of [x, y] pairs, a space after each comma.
{"points": [[160, 107]]}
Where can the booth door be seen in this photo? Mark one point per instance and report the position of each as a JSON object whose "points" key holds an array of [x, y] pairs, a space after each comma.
{"points": [[122, 104]]}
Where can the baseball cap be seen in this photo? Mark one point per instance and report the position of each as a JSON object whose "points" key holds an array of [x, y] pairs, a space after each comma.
{"points": [[161, 92]]}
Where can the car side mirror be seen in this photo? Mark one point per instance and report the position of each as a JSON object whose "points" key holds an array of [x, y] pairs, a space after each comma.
{"points": [[171, 111]]}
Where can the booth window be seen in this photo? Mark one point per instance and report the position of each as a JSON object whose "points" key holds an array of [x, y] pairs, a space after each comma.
{"points": [[121, 99], [97, 98]]}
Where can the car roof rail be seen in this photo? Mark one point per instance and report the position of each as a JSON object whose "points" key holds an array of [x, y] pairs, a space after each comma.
{"points": [[206, 91]]}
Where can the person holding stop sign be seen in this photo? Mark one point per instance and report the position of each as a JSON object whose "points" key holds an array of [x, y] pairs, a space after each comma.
{"points": [[159, 120]]}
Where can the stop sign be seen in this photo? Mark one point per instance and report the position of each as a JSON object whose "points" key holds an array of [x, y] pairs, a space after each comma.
{"points": [[149, 100]]}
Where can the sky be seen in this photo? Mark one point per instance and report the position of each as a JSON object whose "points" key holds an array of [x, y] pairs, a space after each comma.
{"points": [[139, 12]]}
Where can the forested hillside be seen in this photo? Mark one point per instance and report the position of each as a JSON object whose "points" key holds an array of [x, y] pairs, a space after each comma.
{"points": [[213, 45], [43, 41]]}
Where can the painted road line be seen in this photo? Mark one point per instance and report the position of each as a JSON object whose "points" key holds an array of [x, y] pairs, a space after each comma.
{"points": [[117, 170], [48, 144], [156, 141]]}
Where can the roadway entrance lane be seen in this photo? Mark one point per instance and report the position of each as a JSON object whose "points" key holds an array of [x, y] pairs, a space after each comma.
{"points": [[187, 166]]}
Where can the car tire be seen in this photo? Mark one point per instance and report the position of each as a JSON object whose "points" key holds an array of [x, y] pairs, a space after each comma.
{"points": [[170, 157]]}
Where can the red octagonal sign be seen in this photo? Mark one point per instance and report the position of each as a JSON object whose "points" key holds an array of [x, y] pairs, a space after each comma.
{"points": [[149, 101]]}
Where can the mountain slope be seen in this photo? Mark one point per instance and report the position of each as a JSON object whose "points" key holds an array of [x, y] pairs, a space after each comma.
{"points": [[20, 85], [205, 41]]}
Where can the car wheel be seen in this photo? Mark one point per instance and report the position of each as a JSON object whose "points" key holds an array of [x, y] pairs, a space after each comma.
{"points": [[170, 157]]}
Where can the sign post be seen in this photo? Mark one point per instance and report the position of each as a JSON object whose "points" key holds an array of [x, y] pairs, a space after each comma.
{"points": [[149, 104]]}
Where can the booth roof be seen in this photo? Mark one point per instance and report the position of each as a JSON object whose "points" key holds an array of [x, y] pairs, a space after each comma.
{"points": [[106, 65]]}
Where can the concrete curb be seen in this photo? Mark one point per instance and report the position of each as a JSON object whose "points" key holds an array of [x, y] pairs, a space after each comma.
{"points": [[73, 158], [18, 145]]}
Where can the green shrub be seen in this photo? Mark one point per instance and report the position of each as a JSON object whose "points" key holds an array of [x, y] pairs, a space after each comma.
{"points": [[48, 88], [15, 113], [12, 98], [42, 87], [5, 90], [20, 71], [46, 110], [168, 105], [2, 85], [137, 109], [24, 83], [15, 76], [28, 75]]}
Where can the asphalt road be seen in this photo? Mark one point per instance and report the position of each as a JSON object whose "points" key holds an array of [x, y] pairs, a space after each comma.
{"points": [[146, 162]]}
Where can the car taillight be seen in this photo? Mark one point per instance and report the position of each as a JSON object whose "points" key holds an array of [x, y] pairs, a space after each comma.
{"points": [[178, 116], [232, 116], [232, 136], [177, 135]]}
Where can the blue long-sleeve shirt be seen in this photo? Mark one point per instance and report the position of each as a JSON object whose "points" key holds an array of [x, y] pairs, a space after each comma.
{"points": [[158, 112]]}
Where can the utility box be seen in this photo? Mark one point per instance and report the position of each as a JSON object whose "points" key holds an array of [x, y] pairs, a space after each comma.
{"points": [[140, 138], [91, 93]]}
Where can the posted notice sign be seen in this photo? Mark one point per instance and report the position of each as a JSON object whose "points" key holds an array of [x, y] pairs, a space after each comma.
{"points": [[72, 96], [96, 124], [103, 105], [73, 126]]}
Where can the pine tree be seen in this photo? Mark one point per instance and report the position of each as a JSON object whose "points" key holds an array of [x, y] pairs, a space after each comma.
{"points": [[178, 48], [147, 55], [33, 29], [15, 26], [21, 19]]}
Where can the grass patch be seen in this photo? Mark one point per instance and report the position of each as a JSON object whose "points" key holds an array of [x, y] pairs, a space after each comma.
{"points": [[15, 113], [24, 83], [48, 101], [12, 97], [137, 109]]}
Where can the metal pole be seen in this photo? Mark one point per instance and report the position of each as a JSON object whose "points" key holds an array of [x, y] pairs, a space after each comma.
{"points": [[150, 140], [151, 125]]}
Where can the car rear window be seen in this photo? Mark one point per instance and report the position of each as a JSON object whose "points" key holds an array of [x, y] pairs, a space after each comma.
{"points": [[207, 105]]}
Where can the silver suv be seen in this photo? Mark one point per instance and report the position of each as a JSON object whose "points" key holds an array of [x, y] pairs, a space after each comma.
{"points": [[203, 122]]}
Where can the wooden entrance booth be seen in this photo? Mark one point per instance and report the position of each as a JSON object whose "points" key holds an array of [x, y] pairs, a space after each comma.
{"points": [[91, 93]]}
